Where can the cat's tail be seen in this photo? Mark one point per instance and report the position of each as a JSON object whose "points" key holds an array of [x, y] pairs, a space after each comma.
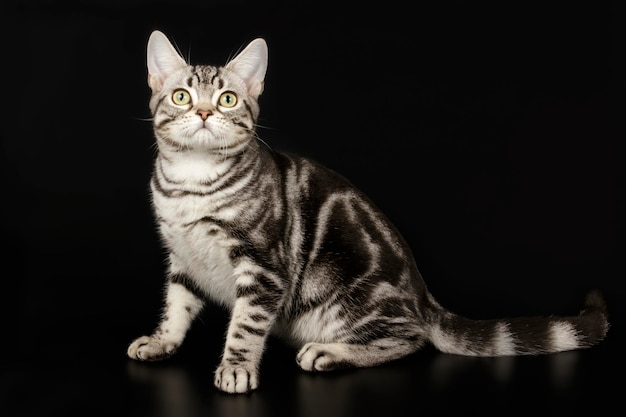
{"points": [[523, 335]]}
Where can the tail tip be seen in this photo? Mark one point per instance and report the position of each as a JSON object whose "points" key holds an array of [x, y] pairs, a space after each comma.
{"points": [[595, 302], [595, 310]]}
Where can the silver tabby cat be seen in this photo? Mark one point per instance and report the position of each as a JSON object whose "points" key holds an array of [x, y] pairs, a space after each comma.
{"points": [[292, 248]]}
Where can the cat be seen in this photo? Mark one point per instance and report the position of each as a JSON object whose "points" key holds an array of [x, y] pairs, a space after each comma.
{"points": [[292, 248]]}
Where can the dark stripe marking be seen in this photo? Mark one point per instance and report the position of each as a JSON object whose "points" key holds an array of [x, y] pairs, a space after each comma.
{"points": [[252, 330]]}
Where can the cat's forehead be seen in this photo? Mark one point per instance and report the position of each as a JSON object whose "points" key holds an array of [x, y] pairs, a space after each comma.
{"points": [[202, 74], [209, 76]]}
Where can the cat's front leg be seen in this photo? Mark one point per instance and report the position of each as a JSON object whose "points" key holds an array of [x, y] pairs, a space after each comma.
{"points": [[181, 307], [259, 295], [238, 371]]}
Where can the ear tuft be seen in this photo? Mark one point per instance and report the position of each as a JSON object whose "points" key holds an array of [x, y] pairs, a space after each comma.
{"points": [[163, 60], [251, 65]]}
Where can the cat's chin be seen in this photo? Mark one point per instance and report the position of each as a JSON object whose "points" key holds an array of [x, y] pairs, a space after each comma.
{"points": [[204, 137], [205, 140]]}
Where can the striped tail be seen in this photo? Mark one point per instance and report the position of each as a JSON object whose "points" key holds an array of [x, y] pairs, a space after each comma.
{"points": [[524, 335]]}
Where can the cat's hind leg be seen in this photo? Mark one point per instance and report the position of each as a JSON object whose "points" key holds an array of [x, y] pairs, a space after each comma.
{"points": [[329, 356], [181, 307]]}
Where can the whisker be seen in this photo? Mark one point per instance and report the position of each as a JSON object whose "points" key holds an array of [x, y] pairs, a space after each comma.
{"points": [[257, 137], [264, 127], [255, 134], [153, 147], [222, 148]]}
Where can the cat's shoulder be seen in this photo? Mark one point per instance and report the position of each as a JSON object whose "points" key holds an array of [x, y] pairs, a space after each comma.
{"points": [[310, 170], [294, 160]]}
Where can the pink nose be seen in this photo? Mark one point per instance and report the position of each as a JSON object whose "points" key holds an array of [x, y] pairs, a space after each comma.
{"points": [[204, 114]]}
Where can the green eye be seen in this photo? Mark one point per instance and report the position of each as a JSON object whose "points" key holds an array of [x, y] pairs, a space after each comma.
{"points": [[181, 97], [228, 99]]}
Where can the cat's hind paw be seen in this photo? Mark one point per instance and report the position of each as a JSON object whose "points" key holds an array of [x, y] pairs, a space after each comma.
{"points": [[321, 357], [236, 379], [147, 348]]}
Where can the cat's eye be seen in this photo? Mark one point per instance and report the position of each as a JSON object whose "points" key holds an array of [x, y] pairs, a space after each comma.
{"points": [[181, 97], [228, 99]]}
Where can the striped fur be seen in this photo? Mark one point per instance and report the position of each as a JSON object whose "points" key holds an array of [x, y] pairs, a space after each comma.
{"points": [[292, 248]]}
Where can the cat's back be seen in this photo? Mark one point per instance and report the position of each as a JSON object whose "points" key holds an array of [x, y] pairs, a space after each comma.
{"points": [[321, 198], [310, 180]]}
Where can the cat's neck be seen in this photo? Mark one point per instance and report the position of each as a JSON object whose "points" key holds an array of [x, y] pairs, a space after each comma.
{"points": [[193, 166], [199, 166]]}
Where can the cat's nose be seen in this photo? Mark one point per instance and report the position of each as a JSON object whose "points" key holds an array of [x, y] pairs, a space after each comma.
{"points": [[204, 114]]}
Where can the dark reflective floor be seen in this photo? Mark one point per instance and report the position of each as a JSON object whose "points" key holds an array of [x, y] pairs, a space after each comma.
{"points": [[101, 382], [492, 136]]}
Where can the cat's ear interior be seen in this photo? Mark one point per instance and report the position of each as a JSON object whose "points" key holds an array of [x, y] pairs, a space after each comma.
{"points": [[251, 64], [163, 60]]}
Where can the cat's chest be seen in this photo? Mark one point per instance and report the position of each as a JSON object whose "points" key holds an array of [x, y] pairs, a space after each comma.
{"points": [[199, 247]]}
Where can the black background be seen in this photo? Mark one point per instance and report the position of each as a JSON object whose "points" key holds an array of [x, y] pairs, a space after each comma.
{"points": [[490, 133]]}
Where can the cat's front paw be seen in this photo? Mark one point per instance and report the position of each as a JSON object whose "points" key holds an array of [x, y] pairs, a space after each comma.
{"points": [[236, 379], [320, 357], [149, 348]]}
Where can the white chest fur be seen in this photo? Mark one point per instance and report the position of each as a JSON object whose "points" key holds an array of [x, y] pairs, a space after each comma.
{"points": [[200, 249]]}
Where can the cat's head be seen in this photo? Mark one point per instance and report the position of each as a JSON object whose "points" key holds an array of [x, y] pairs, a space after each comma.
{"points": [[211, 108]]}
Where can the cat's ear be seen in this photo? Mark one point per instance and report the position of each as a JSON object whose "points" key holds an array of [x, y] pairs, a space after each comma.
{"points": [[251, 64], [163, 60]]}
